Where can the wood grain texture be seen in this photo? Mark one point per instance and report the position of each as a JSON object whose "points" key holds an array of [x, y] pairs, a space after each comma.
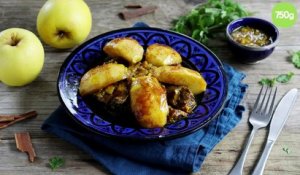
{"points": [[41, 95]]}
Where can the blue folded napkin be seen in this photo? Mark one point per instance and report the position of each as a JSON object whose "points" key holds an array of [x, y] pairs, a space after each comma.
{"points": [[178, 156]]}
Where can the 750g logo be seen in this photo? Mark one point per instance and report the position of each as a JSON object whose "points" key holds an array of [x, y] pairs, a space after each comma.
{"points": [[284, 14]]}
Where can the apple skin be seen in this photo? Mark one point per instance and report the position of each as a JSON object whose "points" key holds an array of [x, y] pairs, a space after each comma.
{"points": [[21, 58], [64, 23]]}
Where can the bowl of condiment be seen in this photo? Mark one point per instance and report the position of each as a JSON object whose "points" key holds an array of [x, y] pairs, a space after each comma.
{"points": [[252, 39]]}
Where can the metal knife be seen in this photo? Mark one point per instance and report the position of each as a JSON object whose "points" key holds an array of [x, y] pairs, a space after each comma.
{"points": [[279, 118]]}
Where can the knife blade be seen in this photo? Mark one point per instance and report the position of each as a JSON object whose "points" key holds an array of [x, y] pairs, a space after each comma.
{"points": [[278, 120], [281, 114]]}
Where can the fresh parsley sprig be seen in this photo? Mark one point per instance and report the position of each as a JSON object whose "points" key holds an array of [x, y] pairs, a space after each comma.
{"points": [[286, 150], [56, 162], [282, 78], [296, 59], [267, 81], [210, 19]]}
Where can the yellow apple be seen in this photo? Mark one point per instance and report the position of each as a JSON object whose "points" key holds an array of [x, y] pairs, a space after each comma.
{"points": [[21, 57], [64, 23]]}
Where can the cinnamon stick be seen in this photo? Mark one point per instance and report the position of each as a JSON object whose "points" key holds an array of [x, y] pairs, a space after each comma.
{"points": [[7, 120], [24, 144], [137, 12], [133, 6]]}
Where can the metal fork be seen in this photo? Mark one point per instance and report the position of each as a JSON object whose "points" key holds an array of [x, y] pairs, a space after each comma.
{"points": [[259, 118]]}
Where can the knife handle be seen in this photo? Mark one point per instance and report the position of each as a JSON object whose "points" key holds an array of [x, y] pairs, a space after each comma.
{"points": [[259, 168]]}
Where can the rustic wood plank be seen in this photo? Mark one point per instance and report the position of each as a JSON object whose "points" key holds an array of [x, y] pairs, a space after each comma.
{"points": [[76, 162]]}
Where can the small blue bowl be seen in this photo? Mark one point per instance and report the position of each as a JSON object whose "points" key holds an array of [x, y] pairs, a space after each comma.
{"points": [[248, 54]]}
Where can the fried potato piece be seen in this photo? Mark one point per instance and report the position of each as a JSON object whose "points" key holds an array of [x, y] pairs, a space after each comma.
{"points": [[161, 55], [125, 48], [102, 76], [178, 75], [149, 102]]}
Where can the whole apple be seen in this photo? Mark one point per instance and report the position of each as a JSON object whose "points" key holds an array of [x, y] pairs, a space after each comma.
{"points": [[21, 57], [64, 23]]}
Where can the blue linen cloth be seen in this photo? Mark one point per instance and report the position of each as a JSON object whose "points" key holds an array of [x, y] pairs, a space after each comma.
{"points": [[177, 156]]}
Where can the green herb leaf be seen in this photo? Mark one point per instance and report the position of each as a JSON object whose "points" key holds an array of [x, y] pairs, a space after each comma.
{"points": [[296, 59], [284, 78], [56, 162], [267, 81], [286, 149], [209, 19]]}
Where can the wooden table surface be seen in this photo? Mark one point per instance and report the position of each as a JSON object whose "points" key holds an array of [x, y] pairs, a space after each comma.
{"points": [[41, 95]]}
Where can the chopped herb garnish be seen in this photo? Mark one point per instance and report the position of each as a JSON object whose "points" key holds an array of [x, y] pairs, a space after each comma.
{"points": [[56, 162], [296, 59], [286, 149], [267, 82], [210, 19], [284, 78]]}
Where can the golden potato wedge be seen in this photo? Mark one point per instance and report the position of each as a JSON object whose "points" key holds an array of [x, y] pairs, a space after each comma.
{"points": [[178, 75], [125, 48], [102, 76], [149, 102], [161, 55]]}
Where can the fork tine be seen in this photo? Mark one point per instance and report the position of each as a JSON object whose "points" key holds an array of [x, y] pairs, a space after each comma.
{"points": [[267, 103], [272, 104], [262, 102], [257, 100]]}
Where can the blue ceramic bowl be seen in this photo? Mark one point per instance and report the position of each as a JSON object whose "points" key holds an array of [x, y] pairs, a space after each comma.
{"points": [[94, 116], [247, 54]]}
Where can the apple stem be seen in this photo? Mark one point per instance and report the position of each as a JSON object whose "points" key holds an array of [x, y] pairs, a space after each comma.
{"points": [[14, 40], [62, 34]]}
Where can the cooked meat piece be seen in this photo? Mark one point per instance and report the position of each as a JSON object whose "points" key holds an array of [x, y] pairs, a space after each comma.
{"points": [[141, 69], [181, 97], [104, 95], [120, 94], [173, 93], [175, 115], [114, 94]]}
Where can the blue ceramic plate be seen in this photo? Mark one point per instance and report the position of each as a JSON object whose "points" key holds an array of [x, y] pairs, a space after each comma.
{"points": [[95, 117]]}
